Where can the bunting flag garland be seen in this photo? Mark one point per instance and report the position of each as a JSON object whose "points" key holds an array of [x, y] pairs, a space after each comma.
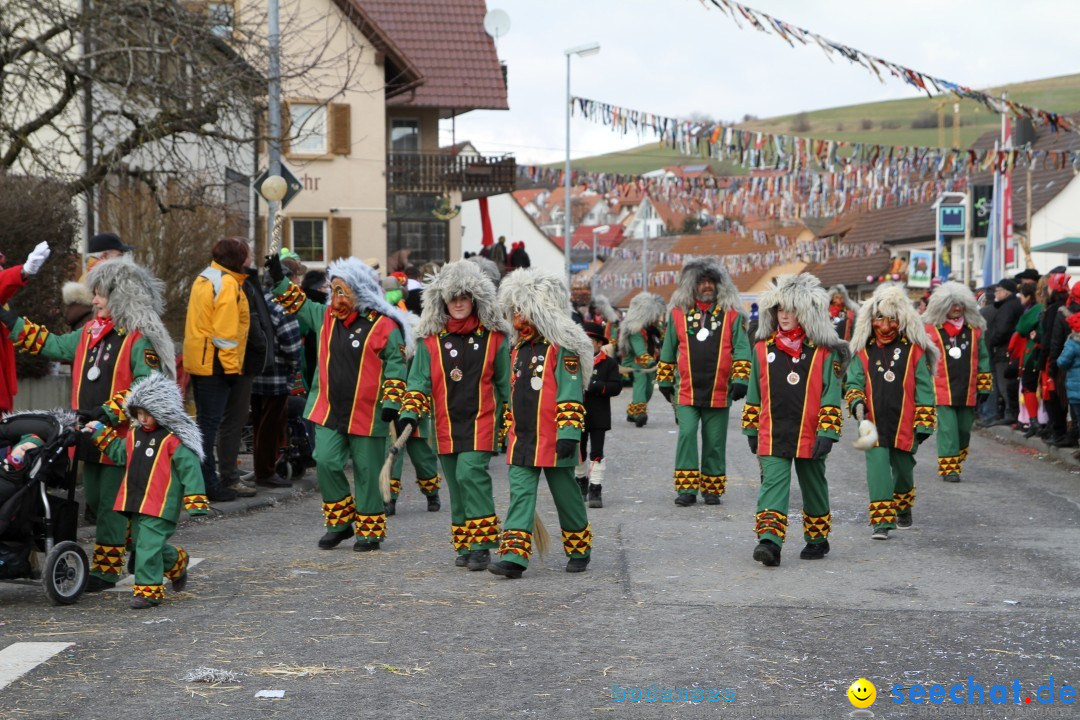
{"points": [[757, 150], [919, 80]]}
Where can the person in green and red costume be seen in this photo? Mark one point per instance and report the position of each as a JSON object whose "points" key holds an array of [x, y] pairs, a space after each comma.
{"points": [[792, 414], [124, 342], [549, 366], [890, 382], [358, 389], [639, 347], [704, 367], [460, 379], [956, 328], [842, 311], [162, 456]]}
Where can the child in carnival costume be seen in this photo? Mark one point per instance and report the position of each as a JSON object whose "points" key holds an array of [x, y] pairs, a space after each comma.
{"points": [[704, 367], [639, 347], [124, 342], [549, 366], [792, 414], [357, 392], [162, 459], [842, 311], [604, 385], [460, 380], [956, 328], [890, 382]]}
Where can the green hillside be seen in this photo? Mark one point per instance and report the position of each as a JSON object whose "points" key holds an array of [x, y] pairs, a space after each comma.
{"points": [[885, 123]]}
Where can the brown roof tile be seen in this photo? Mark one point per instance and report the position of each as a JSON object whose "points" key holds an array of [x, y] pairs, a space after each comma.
{"points": [[850, 270], [910, 223], [447, 42]]}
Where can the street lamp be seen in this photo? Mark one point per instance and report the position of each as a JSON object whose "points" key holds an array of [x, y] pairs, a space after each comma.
{"points": [[596, 231], [581, 51]]}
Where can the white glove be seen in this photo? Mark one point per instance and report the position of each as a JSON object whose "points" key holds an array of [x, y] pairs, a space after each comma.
{"points": [[37, 258]]}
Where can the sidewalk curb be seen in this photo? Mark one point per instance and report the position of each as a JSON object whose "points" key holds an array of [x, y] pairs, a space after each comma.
{"points": [[266, 497], [1006, 434]]}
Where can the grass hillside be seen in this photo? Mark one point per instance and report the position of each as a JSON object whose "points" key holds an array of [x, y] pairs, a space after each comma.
{"points": [[884, 123]]}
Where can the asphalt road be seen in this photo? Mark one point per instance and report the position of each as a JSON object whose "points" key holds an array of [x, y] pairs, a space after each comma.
{"points": [[986, 584]]}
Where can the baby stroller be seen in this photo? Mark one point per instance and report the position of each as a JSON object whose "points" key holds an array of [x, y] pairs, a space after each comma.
{"points": [[296, 456], [34, 521]]}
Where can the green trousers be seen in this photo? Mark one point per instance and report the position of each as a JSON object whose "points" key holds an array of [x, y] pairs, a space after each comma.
{"points": [[773, 499], [100, 485], [333, 450], [711, 475], [643, 390], [473, 522], [517, 537], [890, 477], [953, 437], [155, 558], [424, 461]]}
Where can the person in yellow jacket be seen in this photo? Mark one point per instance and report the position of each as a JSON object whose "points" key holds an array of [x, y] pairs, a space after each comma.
{"points": [[215, 338]]}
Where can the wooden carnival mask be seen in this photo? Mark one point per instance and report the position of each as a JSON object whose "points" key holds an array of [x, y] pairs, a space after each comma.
{"points": [[342, 299], [885, 329]]}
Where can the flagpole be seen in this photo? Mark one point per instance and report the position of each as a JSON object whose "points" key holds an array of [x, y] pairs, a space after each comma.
{"points": [[1001, 187]]}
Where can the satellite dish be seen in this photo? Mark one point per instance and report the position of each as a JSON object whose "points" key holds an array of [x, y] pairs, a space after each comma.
{"points": [[496, 23]]}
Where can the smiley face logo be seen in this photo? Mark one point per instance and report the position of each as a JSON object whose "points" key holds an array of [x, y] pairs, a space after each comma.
{"points": [[862, 693]]}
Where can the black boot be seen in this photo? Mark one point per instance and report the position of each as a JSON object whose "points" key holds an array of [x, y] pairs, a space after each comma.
{"points": [[576, 565], [767, 553], [583, 485], [506, 569], [1033, 429], [95, 584], [179, 583], [903, 518], [390, 507], [711, 499], [479, 559], [685, 499], [595, 499], [640, 420], [814, 551], [461, 560], [333, 539], [365, 546], [433, 503], [131, 561]]}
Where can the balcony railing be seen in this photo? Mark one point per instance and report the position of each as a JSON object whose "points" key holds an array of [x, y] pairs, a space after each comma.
{"points": [[475, 176]]}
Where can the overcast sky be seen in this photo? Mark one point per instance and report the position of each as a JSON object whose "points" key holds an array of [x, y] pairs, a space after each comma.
{"points": [[675, 57]]}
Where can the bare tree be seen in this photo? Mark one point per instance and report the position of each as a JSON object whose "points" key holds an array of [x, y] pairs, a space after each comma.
{"points": [[146, 87]]}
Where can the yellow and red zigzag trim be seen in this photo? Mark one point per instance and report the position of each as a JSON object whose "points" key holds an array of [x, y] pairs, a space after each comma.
{"points": [[713, 484], [637, 408], [904, 501], [751, 416], [106, 438], [341, 512], [740, 370], [853, 396], [484, 530], [107, 559], [883, 512], [459, 536], [644, 360], [393, 390], [416, 402], [665, 372], [570, 414], [196, 503], [949, 465], [516, 542], [427, 485], [925, 417], [817, 526], [687, 480], [830, 419], [577, 542], [292, 299], [180, 566], [150, 592], [372, 527], [984, 383], [32, 338], [770, 521]]}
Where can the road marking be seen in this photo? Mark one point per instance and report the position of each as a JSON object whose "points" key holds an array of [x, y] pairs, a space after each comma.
{"points": [[20, 658], [125, 584]]}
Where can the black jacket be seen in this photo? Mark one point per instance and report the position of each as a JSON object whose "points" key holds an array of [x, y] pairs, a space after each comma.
{"points": [[1003, 325], [606, 383], [259, 355]]}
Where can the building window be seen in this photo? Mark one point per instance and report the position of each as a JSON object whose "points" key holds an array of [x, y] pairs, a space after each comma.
{"points": [[404, 135], [308, 129], [413, 228], [309, 239], [221, 18]]}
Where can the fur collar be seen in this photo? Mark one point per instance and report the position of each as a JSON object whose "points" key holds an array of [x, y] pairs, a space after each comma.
{"points": [[364, 282], [645, 310], [136, 302], [727, 295], [458, 278], [541, 296], [160, 396], [944, 297]]}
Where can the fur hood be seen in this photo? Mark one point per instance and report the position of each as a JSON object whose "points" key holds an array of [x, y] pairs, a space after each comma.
{"points": [[727, 295], [160, 396], [944, 297], [645, 309], [77, 293], [603, 306], [459, 278], [541, 296], [851, 305], [488, 266], [363, 280], [803, 294], [892, 301], [136, 302]]}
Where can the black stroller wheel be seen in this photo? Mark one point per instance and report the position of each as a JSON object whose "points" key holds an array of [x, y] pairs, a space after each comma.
{"points": [[66, 573], [284, 469]]}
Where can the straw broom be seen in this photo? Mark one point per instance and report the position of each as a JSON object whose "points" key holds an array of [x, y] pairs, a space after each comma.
{"points": [[391, 456]]}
